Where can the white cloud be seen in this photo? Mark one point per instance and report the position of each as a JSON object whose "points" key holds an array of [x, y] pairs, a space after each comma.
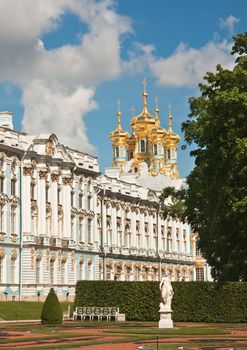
{"points": [[187, 66], [228, 23], [53, 80], [55, 109]]}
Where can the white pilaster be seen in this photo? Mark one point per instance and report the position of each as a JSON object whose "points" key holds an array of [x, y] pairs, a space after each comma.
{"points": [[66, 207], [41, 202], [26, 200], [54, 204]]}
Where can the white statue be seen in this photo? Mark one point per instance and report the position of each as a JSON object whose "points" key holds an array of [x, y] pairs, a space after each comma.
{"points": [[166, 293]]}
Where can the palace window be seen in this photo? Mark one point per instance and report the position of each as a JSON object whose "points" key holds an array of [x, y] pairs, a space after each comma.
{"points": [[1, 184], [63, 264], [185, 241], [117, 152], [168, 154], [48, 222], [47, 192], [178, 240], [37, 268], [199, 274], [89, 231], [13, 187], [81, 269], [34, 221], [89, 202], [1, 218], [59, 195], [155, 149], [13, 220], [72, 198], [32, 188], [169, 242], [80, 229], [52, 268], [142, 146], [12, 270], [60, 223], [147, 241], [80, 200], [72, 226]]}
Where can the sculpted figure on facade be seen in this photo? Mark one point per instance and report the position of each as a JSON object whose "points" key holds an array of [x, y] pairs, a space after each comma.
{"points": [[166, 293]]}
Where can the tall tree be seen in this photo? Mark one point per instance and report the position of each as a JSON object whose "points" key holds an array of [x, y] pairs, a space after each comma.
{"points": [[215, 200]]}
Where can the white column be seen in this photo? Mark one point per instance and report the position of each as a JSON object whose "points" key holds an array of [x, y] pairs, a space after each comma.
{"points": [[114, 225], [142, 229], [41, 202], [122, 224], [26, 200], [66, 207], [103, 228], [95, 233], [188, 250], [174, 237], [54, 204], [181, 239], [159, 238], [133, 229], [151, 232]]}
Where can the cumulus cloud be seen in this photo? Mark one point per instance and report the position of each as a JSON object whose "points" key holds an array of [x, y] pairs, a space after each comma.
{"points": [[187, 65], [228, 23], [58, 85]]}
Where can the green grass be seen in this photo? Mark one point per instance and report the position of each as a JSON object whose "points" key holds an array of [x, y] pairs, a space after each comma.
{"points": [[169, 332], [23, 310]]}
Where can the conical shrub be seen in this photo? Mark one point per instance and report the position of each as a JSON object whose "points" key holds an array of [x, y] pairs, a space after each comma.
{"points": [[51, 312]]}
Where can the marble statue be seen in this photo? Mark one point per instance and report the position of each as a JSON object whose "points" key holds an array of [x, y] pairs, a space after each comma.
{"points": [[165, 310], [166, 292]]}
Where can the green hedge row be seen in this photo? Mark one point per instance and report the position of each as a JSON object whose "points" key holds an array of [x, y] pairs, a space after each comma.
{"points": [[193, 301]]}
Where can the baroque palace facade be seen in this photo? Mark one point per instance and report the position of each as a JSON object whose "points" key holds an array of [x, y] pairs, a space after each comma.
{"points": [[62, 221]]}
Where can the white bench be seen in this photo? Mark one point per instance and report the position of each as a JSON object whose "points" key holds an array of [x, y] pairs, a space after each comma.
{"points": [[100, 313]]}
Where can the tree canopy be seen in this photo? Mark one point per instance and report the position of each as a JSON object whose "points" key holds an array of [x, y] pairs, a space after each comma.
{"points": [[215, 200]]}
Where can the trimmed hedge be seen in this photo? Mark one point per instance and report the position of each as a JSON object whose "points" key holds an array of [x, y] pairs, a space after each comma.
{"points": [[51, 312], [193, 301]]}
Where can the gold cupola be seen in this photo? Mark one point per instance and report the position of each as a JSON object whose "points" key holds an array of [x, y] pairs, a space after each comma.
{"points": [[171, 137], [119, 138], [143, 122], [170, 142], [158, 133]]}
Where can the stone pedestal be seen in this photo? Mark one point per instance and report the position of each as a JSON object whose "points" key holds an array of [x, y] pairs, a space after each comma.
{"points": [[165, 317]]}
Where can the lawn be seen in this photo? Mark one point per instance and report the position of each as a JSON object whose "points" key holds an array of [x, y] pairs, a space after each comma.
{"points": [[24, 310], [75, 334]]}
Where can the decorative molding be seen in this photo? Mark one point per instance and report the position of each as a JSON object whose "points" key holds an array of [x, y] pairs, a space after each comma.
{"points": [[43, 174]]}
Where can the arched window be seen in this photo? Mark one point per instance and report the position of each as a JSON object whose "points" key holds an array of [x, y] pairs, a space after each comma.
{"points": [[13, 220], [142, 146], [169, 242], [117, 152], [155, 149], [60, 222], [34, 220], [48, 221], [168, 154]]}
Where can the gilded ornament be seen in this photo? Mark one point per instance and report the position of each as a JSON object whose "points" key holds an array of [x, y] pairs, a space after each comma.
{"points": [[50, 149]]}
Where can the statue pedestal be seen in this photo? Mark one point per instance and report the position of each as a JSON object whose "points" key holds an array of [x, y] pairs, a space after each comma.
{"points": [[165, 317]]}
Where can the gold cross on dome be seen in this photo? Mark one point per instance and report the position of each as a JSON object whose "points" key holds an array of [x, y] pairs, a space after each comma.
{"points": [[118, 104], [170, 108], [156, 102], [144, 84]]}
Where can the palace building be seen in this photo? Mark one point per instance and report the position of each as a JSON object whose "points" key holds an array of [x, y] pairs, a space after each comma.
{"points": [[61, 220]]}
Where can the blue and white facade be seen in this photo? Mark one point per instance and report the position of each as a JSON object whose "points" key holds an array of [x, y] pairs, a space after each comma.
{"points": [[62, 221]]}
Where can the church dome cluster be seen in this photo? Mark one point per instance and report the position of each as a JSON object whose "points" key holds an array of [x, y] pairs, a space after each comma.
{"points": [[148, 143]]}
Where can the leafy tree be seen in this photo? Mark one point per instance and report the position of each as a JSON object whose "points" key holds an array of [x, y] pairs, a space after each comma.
{"points": [[51, 312], [215, 200]]}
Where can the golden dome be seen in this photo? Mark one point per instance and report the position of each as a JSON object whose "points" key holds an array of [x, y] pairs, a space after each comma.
{"points": [[171, 137], [143, 121], [157, 132], [119, 135]]}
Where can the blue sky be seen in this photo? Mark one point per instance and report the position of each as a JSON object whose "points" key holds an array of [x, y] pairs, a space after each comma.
{"points": [[63, 65]]}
